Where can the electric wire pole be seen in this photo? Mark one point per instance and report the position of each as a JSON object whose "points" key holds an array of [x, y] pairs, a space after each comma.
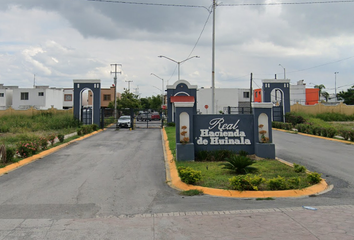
{"points": [[129, 81], [213, 64], [115, 86]]}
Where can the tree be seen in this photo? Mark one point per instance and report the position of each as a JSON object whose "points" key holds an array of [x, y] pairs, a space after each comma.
{"points": [[347, 96], [156, 102], [145, 103], [320, 87], [128, 100]]}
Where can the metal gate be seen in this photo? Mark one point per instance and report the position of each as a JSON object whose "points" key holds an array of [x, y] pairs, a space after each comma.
{"points": [[107, 117], [147, 118], [278, 114], [86, 115]]}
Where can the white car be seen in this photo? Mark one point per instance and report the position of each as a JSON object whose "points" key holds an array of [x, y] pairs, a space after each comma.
{"points": [[124, 121]]}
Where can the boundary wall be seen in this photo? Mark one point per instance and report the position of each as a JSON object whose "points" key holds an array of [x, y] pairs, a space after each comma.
{"points": [[321, 108]]}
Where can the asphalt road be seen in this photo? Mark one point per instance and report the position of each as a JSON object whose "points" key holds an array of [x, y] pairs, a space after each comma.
{"points": [[115, 173]]}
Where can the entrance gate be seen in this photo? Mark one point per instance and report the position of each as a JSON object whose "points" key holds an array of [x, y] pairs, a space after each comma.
{"points": [[278, 114], [144, 118]]}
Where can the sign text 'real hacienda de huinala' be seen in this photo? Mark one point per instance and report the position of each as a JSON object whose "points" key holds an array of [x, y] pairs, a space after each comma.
{"points": [[221, 133]]}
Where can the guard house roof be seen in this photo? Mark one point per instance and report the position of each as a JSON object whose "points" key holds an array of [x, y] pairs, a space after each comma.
{"points": [[182, 99]]}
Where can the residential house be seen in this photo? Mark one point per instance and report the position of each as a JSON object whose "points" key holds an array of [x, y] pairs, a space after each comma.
{"points": [[40, 97], [6, 93]]}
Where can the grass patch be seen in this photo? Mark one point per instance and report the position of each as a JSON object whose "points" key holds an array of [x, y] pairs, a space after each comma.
{"points": [[171, 136], [192, 192], [214, 176]]}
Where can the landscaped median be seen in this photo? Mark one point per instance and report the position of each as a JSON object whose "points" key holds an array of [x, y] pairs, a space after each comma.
{"points": [[174, 181], [40, 155]]}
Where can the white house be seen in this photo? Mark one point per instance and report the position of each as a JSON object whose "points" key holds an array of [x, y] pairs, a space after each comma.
{"points": [[298, 93], [68, 100], [6, 96], [224, 97], [40, 97]]}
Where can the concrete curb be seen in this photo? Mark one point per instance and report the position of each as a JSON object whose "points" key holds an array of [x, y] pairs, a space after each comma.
{"points": [[174, 181], [314, 136], [40, 155]]}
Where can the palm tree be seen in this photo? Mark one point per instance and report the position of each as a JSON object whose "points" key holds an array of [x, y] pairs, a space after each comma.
{"points": [[320, 87]]}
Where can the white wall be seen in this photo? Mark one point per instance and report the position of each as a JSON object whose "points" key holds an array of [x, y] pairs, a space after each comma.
{"points": [[54, 97], [298, 94], [3, 99], [68, 104], [50, 97], [224, 97]]}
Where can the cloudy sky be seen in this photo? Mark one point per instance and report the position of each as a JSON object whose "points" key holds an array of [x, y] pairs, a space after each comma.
{"points": [[60, 40]]}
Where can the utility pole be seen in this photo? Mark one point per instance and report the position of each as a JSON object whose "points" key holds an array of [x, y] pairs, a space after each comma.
{"points": [[213, 64], [115, 86], [129, 81], [34, 80], [251, 92], [335, 84]]}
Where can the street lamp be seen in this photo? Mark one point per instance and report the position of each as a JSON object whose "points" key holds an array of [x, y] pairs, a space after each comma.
{"points": [[178, 62], [335, 84], [284, 70], [162, 89]]}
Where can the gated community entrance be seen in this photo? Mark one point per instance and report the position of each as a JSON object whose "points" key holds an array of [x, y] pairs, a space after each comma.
{"points": [[94, 114], [250, 131]]}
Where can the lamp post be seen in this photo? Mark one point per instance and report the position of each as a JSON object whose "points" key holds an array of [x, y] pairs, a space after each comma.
{"points": [[162, 89], [178, 62], [284, 70], [335, 84]]}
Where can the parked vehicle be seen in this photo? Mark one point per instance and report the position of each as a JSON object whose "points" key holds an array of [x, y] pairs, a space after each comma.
{"points": [[124, 121], [155, 116], [144, 116]]}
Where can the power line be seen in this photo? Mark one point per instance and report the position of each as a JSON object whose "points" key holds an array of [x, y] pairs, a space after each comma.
{"points": [[151, 4], [282, 3], [200, 34]]}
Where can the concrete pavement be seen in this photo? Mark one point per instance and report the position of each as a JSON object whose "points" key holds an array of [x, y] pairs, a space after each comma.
{"points": [[327, 222]]}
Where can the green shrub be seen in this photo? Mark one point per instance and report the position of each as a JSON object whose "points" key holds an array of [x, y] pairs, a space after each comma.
{"points": [[239, 164], [294, 118], [43, 143], [314, 177], [94, 127], [10, 153], [188, 175], [27, 149], [294, 183], [213, 156], [61, 137], [278, 183], [328, 132], [344, 134], [243, 153], [171, 124], [51, 139], [245, 182], [79, 131], [299, 168], [351, 135]]}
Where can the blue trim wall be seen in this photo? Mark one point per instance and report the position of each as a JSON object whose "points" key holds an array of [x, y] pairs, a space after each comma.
{"points": [[95, 87]]}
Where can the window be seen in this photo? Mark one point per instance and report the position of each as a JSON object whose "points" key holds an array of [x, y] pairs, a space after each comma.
{"points": [[106, 97], [1, 94], [24, 96], [68, 97], [41, 94], [246, 94]]}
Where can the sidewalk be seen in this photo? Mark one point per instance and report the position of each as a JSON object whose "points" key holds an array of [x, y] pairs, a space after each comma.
{"points": [[332, 222]]}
